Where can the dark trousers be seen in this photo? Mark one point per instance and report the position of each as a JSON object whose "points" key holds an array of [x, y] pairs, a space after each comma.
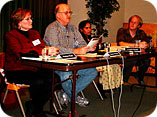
{"points": [[40, 85], [142, 65]]}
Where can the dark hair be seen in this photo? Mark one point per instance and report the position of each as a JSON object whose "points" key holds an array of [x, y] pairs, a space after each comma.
{"points": [[139, 18], [18, 15], [83, 23]]}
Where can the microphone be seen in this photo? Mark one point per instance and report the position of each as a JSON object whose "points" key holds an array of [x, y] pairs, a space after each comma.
{"points": [[150, 40]]}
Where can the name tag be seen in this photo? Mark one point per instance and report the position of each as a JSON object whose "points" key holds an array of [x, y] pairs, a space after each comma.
{"points": [[112, 54], [36, 42], [66, 56], [133, 49]]}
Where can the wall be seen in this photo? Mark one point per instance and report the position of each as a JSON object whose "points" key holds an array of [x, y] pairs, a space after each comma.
{"points": [[115, 22], [79, 13], [127, 9], [142, 8], [147, 12]]}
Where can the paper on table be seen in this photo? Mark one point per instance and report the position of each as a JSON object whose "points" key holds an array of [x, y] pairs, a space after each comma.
{"points": [[64, 61], [53, 60], [90, 55], [32, 58]]}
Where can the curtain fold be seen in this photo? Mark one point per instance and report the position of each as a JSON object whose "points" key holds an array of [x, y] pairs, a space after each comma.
{"points": [[42, 15]]}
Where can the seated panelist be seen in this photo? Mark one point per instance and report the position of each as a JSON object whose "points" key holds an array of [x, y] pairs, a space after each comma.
{"points": [[128, 37], [68, 39], [85, 30], [114, 72], [22, 40]]}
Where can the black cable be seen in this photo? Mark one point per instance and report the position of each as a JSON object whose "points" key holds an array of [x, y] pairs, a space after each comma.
{"points": [[139, 101]]}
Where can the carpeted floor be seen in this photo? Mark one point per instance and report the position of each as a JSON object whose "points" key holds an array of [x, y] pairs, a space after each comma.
{"points": [[136, 103]]}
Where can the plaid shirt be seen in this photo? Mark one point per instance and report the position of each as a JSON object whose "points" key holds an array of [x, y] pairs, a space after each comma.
{"points": [[64, 38]]}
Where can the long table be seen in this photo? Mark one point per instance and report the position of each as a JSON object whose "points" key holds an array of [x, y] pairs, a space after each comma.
{"points": [[86, 62]]}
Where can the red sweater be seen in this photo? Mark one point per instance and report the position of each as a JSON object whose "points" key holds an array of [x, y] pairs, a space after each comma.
{"points": [[16, 43]]}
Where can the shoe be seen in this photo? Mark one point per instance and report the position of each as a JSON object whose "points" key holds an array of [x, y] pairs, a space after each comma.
{"points": [[141, 82], [83, 102], [63, 98]]}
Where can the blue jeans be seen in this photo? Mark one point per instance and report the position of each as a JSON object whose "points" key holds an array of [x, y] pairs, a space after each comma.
{"points": [[86, 77]]}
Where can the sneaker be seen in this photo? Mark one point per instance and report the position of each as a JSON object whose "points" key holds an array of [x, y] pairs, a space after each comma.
{"points": [[83, 102], [63, 98]]}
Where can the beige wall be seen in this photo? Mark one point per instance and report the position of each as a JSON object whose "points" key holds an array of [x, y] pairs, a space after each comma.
{"points": [[79, 11], [127, 9], [142, 8], [115, 23]]}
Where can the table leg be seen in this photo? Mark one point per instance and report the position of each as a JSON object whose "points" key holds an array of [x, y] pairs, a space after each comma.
{"points": [[73, 94], [52, 95], [156, 69]]}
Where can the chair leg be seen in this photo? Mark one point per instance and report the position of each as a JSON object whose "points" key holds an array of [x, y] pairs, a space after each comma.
{"points": [[20, 103], [58, 101], [98, 90], [55, 108], [5, 95], [82, 94]]}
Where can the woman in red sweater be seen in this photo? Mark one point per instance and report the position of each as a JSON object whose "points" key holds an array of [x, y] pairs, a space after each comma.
{"points": [[20, 40]]}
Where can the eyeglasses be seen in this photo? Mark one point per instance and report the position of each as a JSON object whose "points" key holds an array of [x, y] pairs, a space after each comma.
{"points": [[29, 18], [67, 12]]}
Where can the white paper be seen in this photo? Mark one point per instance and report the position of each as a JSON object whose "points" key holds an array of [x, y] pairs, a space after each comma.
{"points": [[92, 43], [31, 58]]}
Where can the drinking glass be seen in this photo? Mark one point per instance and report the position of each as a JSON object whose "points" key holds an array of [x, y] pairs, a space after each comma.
{"points": [[137, 42], [45, 53]]}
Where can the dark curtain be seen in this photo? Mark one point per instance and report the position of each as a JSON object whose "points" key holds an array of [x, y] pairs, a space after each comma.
{"points": [[42, 15]]}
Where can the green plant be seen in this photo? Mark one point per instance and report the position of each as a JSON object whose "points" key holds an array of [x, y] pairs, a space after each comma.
{"points": [[99, 11]]}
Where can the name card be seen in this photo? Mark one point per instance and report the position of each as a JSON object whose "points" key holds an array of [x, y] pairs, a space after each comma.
{"points": [[133, 49], [112, 54], [66, 56]]}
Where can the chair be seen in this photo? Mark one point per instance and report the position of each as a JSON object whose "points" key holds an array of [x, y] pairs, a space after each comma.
{"points": [[96, 90], [11, 86], [145, 85], [15, 87]]}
